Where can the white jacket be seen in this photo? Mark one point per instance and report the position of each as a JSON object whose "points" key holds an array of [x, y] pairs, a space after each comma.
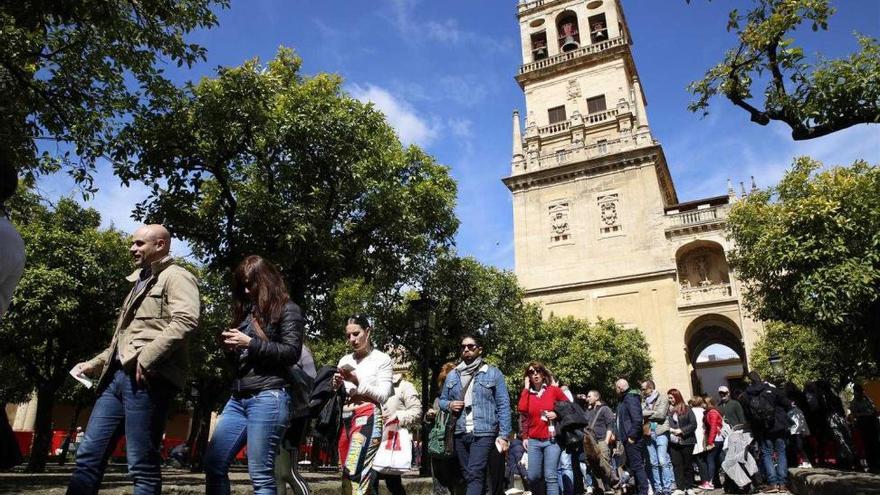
{"points": [[404, 402]]}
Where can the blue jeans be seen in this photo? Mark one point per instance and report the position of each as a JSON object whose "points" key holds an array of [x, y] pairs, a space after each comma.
{"points": [[661, 463], [565, 473], [139, 412], [473, 457], [543, 463], [775, 475], [258, 421]]}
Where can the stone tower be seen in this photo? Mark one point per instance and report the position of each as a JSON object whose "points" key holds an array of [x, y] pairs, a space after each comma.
{"points": [[598, 228]]}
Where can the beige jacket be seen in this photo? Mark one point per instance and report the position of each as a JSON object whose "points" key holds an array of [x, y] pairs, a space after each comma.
{"points": [[154, 324], [404, 402]]}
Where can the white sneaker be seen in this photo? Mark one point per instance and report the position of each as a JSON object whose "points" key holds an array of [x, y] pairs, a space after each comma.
{"points": [[806, 465], [678, 492]]}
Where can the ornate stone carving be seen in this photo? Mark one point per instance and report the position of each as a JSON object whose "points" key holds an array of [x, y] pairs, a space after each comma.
{"points": [[574, 89], [609, 213], [560, 230]]}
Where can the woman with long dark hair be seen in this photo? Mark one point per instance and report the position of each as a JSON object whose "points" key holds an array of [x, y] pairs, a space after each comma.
{"points": [[264, 340], [365, 377], [682, 438]]}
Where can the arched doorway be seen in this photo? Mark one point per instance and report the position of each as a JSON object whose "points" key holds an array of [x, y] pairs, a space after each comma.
{"points": [[716, 354]]}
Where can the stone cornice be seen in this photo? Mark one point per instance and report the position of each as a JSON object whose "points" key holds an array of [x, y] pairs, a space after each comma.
{"points": [[563, 173], [670, 272]]}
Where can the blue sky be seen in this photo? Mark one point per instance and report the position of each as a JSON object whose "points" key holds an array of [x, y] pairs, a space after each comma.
{"points": [[442, 71]]}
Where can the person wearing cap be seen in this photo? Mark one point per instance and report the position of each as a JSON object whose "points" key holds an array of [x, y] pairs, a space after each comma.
{"points": [[730, 408], [404, 407]]}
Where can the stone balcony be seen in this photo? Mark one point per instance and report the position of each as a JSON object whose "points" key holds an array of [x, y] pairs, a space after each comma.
{"points": [[704, 294], [698, 220], [563, 60], [549, 130], [525, 8]]}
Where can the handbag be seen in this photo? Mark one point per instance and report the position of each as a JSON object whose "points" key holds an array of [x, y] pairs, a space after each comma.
{"points": [[395, 452], [439, 441], [442, 436]]}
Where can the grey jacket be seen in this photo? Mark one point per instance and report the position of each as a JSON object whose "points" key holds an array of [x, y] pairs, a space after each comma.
{"points": [[657, 412]]}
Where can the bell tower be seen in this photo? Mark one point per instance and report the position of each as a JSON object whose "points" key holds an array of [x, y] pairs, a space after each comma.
{"points": [[588, 179]]}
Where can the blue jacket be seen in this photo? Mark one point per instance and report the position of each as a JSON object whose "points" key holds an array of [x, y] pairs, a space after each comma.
{"points": [[629, 416], [491, 407]]}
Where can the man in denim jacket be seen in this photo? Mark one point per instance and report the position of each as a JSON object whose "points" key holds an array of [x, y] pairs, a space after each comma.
{"points": [[476, 394]]}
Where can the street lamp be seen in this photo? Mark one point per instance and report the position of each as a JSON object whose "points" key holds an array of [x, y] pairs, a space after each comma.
{"points": [[776, 364], [421, 318]]}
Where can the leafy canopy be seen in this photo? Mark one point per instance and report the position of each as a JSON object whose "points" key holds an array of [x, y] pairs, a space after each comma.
{"points": [[807, 355], [261, 159], [580, 354], [808, 250], [71, 71], [812, 99]]}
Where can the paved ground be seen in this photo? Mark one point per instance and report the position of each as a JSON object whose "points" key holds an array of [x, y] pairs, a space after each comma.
{"points": [[176, 481]]}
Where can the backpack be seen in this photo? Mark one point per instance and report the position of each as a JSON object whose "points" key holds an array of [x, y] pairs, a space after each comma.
{"points": [[762, 410]]}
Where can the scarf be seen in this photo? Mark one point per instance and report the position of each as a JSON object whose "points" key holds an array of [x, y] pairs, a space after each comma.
{"points": [[467, 372]]}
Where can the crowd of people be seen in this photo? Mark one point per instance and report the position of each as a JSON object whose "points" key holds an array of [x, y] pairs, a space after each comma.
{"points": [[561, 442]]}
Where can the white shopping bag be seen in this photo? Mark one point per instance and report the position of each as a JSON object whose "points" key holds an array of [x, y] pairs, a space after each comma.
{"points": [[395, 451]]}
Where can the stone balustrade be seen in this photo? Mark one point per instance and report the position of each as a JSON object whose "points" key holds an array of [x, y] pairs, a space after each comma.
{"points": [[599, 117], [565, 57], [554, 128], [704, 293], [694, 217]]}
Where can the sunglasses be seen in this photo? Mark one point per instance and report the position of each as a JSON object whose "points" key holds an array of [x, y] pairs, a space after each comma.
{"points": [[533, 372], [469, 347]]}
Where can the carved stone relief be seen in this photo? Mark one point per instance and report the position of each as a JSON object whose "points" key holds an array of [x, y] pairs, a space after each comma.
{"points": [[558, 212], [609, 213]]}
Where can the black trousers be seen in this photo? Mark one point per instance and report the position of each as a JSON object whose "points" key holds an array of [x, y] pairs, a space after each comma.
{"points": [[682, 466], [392, 481]]}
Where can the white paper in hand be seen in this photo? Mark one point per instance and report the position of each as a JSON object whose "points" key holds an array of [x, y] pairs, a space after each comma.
{"points": [[86, 381]]}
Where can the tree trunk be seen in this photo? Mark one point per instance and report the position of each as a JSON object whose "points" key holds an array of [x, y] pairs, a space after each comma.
{"points": [[425, 466], [71, 435], [197, 452], [42, 429]]}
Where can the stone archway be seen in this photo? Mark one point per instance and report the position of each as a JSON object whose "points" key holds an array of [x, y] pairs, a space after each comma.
{"points": [[703, 332]]}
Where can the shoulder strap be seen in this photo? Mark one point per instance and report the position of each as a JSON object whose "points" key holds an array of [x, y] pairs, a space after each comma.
{"points": [[468, 386], [596, 416]]}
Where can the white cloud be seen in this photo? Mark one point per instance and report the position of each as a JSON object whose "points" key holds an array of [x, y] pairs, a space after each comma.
{"points": [[446, 31], [410, 127], [461, 127]]}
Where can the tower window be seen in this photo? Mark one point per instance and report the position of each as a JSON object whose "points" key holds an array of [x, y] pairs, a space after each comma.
{"points": [[567, 28], [596, 104], [598, 28], [556, 114], [539, 45]]}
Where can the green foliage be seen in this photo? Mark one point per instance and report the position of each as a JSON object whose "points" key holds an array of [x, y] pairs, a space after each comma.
{"points": [[65, 305], [580, 354], [813, 99], [808, 355], [72, 71], [295, 170], [808, 251]]}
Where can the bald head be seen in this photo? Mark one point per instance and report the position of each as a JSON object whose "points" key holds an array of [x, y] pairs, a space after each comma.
{"points": [[622, 385], [149, 244]]}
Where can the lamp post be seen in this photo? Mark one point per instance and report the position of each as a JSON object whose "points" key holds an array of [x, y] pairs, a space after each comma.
{"points": [[776, 364], [421, 309]]}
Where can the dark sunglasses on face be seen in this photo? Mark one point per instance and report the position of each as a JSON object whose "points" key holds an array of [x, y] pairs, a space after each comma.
{"points": [[469, 347], [533, 372]]}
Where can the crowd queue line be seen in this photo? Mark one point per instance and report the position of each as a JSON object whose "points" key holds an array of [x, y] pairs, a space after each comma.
{"points": [[653, 442]]}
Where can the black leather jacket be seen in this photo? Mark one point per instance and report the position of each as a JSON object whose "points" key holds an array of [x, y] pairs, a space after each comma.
{"points": [[264, 364]]}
